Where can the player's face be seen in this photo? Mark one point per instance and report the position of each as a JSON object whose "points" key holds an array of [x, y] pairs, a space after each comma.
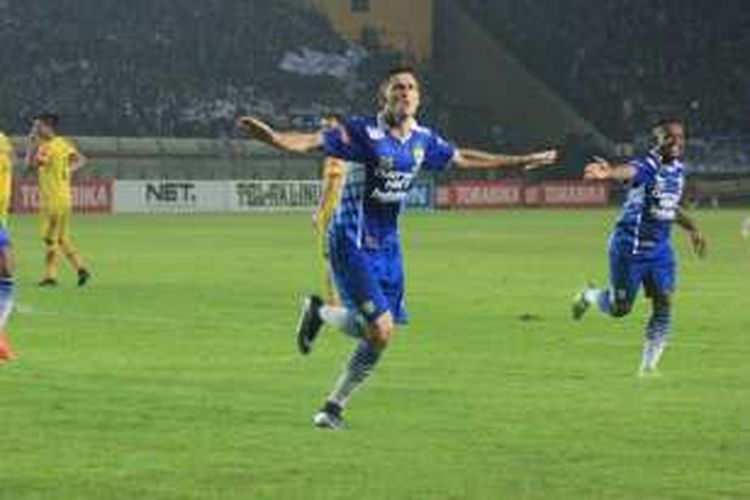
{"points": [[41, 129], [402, 95], [671, 140]]}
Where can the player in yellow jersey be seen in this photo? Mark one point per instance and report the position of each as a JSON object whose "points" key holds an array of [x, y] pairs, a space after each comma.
{"points": [[332, 182], [6, 177], [55, 159]]}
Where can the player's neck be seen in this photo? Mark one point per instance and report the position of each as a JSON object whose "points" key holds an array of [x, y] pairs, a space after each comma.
{"points": [[399, 126]]}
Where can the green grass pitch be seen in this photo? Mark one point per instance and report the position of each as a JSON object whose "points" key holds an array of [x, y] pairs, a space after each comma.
{"points": [[175, 374]]}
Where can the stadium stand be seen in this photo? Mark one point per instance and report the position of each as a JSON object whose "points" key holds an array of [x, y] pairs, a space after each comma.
{"points": [[624, 62], [159, 69]]}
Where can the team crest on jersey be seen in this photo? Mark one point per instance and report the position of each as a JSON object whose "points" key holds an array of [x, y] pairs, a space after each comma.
{"points": [[385, 163], [418, 154]]}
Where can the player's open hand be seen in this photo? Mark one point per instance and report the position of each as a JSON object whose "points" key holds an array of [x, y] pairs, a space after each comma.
{"points": [[540, 159], [597, 169], [255, 128], [699, 244]]}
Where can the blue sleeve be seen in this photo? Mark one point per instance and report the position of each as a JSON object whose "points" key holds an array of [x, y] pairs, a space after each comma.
{"points": [[346, 141], [439, 154], [643, 171]]}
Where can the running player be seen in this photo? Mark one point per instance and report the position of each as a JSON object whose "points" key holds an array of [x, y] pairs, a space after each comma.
{"points": [[640, 250], [55, 159], [384, 152]]}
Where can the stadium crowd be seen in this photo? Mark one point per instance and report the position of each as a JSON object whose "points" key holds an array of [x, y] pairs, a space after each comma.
{"points": [[624, 62], [175, 68], [188, 68]]}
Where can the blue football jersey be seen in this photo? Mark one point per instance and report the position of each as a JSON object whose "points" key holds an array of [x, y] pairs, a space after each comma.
{"points": [[651, 205], [379, 174]]}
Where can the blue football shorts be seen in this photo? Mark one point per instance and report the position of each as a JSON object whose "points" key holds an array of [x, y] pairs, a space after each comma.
{"points": [[370, 280], [656, 271]]}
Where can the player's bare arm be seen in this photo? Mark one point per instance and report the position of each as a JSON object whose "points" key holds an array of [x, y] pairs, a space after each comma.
{"points": [[331, 186], [77, 160], [474, 158], [601, 169], [293, 142], [697, 239]]}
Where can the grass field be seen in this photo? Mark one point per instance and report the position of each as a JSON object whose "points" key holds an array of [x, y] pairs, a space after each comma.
{"points": [[175, 374]]}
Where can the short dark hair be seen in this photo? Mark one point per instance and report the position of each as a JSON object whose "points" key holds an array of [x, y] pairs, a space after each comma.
{"points": [[670, 120], [48, 118], [397, 70]]}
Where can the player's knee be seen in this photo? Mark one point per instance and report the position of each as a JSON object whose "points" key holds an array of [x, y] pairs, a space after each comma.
{"points": [[51, 244], [380, 339], [381, 331], [621, 308]]}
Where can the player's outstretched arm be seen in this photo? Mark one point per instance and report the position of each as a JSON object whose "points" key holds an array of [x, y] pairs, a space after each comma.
{"points": [[697, 239], [601, 169], [474, 158], [293, 142]]}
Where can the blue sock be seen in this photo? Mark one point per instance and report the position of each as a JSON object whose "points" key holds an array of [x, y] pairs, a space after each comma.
{"points": [[6, 299], [600, 297], [360, 366], [659, 324], [657, 332]]}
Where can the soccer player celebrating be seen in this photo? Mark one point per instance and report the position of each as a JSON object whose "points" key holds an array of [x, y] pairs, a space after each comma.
{"points": [[6, 177], [55, 159], [640, 251], [332, 181], [384, 152]]}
